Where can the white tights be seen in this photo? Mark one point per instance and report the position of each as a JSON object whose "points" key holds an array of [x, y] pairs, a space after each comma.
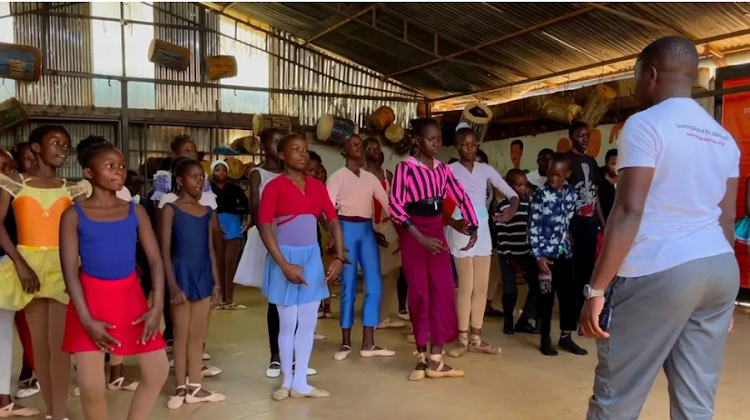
{"points": [[296, 334]]}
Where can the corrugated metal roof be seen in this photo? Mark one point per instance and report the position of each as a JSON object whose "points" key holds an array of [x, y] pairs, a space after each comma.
{"points": [[589, 36]]}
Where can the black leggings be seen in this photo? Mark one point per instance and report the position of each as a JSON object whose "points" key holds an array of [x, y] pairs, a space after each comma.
{"points": [[401, 288], [272, 318]]}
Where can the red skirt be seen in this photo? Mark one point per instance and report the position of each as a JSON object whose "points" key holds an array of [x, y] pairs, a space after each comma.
{"points": [[116, 302]]}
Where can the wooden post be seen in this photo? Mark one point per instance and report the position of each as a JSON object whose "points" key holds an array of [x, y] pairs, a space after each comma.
{"points": [[169, 55]]}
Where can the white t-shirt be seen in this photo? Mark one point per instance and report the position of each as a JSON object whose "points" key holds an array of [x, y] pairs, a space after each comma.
{"points": [[535, 179], [693, 156]]}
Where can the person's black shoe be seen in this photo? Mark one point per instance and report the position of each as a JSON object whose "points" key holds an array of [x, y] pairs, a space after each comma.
{"points": [[508, 327], [524, 326], [566, 343], [547, 348], [490, 311]]}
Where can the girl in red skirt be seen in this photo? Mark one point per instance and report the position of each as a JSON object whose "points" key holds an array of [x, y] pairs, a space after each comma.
{"points": [[108, 312]]}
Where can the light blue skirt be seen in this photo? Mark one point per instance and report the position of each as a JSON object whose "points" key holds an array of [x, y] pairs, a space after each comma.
{"points": [[742, 230], [281, 291]]}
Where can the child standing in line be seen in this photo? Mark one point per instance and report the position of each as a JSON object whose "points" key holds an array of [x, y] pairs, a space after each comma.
{"points": [[550, 213], [316, 170], [108, 310], [353, 191], [192, 277], [390, 255], [32, 273], [513, 251], [294, 278]]}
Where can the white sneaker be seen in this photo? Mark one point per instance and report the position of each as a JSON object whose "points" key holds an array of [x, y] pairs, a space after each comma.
{"points": [[30, 387], [206, 356], [273, 370], [319, 336]]}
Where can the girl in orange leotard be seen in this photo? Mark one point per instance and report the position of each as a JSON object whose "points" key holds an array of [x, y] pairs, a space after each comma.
{"points": [[31, 272]]}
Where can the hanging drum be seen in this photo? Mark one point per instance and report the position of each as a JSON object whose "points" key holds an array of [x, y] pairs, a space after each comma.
{"points": [[335, 130], [561, 112], [597, 105], [398, 139], [380, 119], [478, 117], [265, 121]]}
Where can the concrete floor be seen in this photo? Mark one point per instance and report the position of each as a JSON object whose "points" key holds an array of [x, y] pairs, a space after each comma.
{"points": [[518, 384]]}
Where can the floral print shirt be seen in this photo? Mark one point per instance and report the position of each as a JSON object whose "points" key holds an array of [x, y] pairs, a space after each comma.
{"points": [[549, 220]]}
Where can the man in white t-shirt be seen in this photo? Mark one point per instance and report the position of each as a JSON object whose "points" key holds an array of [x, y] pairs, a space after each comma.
{"points": [[667, 262], [538, 177]]}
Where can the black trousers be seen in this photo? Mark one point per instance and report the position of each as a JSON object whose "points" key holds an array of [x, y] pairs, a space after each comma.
{"points": [[563, 285], [527, 263], [584, 232], [272, 319], [402, 289]]}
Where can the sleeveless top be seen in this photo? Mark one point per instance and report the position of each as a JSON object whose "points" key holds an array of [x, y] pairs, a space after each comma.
{"points": [[265, 177], [107, 248], [191, 257], [38, 210]]}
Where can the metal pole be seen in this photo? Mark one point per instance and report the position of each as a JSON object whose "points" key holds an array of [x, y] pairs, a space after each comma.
{"points": [[124, 121]]}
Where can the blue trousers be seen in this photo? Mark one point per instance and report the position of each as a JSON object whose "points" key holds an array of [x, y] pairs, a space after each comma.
{"points": [[359, 238]]}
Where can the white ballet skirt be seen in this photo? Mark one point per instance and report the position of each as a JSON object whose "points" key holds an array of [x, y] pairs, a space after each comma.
{"points": [[457, 240], [252, 262]]}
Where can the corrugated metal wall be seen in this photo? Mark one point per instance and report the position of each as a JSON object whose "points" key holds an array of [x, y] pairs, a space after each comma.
{"points": [[292, 75], [183, 98], [68, 49]]}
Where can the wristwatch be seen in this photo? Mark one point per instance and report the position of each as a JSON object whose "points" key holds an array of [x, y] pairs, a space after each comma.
{"points": [[590, 293]]}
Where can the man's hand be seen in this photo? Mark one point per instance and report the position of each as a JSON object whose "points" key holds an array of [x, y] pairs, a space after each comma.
{"points": [[590, 318]]}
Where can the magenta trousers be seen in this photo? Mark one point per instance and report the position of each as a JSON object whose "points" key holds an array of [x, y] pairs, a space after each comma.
{"points": [[432, 295]]}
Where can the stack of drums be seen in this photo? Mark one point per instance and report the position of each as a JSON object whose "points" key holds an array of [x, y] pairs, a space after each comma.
{"points": [[335, 130], [478, 117]]}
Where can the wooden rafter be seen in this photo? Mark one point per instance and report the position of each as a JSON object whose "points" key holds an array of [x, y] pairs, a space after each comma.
{"points": [[339, 24], [675, 28], [716, 38], [511, 35]]}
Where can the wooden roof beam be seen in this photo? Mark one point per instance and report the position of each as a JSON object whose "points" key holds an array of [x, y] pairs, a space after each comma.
{"points": [[339, 24], [515, 34], [708, 40]]}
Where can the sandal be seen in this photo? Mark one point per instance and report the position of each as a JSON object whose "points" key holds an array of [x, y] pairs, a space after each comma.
{"points": [[191, 397], [13, 410], [234, 307], [476, 345], [342, 354], [175, 401], [439, 372], [462, 346], [418, 373], [117, 385]]}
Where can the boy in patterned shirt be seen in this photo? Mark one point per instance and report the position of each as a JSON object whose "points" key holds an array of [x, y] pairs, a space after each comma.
{"points": [[550, 212]]}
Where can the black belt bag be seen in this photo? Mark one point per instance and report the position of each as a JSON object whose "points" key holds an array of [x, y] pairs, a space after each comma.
{"points": [[427, 207]]}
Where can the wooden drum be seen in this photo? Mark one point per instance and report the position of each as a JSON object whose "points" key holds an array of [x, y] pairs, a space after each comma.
{"points": [[12, 113], [248, 144], [597, 105], [206, 167], [380, 119], [265, 121], [220, 67], [169, 55], [335, 130], [236, 168], [560, 111], [478, 117], [20, 62]]}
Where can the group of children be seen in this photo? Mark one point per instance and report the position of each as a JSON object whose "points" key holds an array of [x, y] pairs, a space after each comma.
{"points": [[75, 253]]}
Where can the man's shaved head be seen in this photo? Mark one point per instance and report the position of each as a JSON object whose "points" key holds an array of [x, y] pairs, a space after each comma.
{"points": [[665, 69]]}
